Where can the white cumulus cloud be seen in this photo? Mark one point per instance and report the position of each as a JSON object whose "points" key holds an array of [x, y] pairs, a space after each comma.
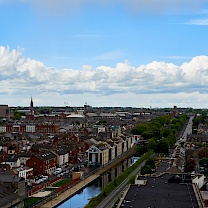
{"points": [[26, 76]]}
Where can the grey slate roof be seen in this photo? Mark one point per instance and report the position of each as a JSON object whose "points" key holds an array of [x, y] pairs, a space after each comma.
{"points": [[7, 196], [46, 156], [10, 178], [25, 154], [159, 192], [61, 151], [11, 158]]}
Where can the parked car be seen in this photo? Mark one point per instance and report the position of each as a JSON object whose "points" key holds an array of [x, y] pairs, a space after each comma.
{"points": [[45, 178], [60, 174], [57, 171]]}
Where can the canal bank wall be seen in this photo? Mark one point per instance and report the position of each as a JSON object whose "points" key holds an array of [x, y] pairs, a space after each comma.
{"points": [[70, 191]]}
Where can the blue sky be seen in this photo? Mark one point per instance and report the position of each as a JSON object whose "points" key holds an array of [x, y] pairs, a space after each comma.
{"points": [[126, 53]]}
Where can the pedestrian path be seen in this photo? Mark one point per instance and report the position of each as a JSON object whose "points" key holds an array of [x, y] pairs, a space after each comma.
{"points": [[41, 194], [71, 191]]}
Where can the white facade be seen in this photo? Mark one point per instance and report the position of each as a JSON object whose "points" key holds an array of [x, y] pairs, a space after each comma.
{"points": [[23, 160], [30, 128], [50, 171], [94, 154], [112, 152], [101, 129], [199, 181], [14, 164], [23, 172], [4, 148], [2, 129], [63, 159], [125, 146], [129, 139]]}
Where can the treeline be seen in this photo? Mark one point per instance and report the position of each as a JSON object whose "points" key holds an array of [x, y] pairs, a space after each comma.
{"points": [[159, 134]]}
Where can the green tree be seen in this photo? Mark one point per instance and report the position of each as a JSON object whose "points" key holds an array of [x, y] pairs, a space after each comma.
{"points": [[155, 125], [171, 139], [166, 133], [134, 131], [164, 120], [132, 179], [162, 147], [151, 144], [206, 172], [156, 133], [151, 163], [146, 169], [203, 161], [17, 116], [147, 135], [140, 150], [140, 128]]}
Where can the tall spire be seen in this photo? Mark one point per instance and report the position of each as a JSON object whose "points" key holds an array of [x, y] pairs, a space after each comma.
{"points": [[31, 107], [31, 103]]}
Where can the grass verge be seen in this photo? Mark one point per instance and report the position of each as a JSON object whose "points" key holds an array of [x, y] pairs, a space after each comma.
{"points": [[30, 200], [61, 183]]}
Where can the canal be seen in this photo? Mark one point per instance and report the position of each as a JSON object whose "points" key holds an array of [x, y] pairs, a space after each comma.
{"points": [[93, 189]]}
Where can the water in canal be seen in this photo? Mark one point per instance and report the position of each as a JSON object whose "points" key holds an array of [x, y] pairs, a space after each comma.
{"points": [[93, 189]]}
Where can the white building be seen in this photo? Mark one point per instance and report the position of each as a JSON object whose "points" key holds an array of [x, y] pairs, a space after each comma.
{"points": [[24, 172], [62, 156], [2, 129], [12, 160], [30, 128]]}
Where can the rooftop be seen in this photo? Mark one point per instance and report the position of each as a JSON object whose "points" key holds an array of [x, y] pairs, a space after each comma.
{"points": [[161, 192]]}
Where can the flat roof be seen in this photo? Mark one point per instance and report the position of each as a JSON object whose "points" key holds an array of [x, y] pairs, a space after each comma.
{"points": [[160, 193]]}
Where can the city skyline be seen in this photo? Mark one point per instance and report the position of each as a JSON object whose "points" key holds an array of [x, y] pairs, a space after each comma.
{"points": [[106, 54]]}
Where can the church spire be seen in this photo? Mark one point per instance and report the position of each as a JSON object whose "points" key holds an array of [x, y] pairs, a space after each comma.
{"points": [[31, 103], [31, 107]]}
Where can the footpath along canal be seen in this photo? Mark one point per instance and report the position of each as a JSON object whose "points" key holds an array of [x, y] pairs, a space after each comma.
{"points": [[94, 188], [62, 195]]}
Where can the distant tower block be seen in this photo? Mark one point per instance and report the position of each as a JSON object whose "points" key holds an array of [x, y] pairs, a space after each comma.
{"points": [[85, 108], [175, 111]]}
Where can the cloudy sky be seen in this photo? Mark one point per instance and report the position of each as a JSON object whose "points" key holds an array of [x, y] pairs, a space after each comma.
{"points": [[126, 53]]}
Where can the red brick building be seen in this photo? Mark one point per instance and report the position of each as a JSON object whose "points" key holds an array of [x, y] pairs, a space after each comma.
{"points": [[2, 156], [39, 128], [4, 111], [47, 128], [43, 163]]}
